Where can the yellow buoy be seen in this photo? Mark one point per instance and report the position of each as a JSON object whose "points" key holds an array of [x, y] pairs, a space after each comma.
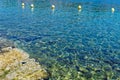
{"points": [[113, 9], [53, 6], [32, 5], [23, 4], [79, 7]]}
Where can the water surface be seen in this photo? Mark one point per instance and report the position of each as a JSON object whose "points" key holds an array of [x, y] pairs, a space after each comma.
{"points": [[72, 44]]}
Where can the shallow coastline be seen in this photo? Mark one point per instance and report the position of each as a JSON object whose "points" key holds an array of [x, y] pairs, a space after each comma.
{"points": [[16, 64]]}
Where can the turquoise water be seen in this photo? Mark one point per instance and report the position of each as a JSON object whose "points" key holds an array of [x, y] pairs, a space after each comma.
{"points": [[71, 44]]}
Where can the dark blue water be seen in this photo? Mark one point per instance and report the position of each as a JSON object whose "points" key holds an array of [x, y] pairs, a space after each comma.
{"points": [[72, 44]]}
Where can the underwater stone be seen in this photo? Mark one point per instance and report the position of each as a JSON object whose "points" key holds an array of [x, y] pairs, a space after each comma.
{"points": [[107, 68], [97, 71], [6, 44], [12, 69], [87, 75], [117, 69], [77, 68], [108, 61], [71, 50]]}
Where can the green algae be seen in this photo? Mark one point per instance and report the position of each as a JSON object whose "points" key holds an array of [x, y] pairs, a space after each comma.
{"points": [[4, 74]]}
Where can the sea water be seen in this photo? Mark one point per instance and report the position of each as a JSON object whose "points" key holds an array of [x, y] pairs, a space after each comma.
{"points": [[72, 44]]}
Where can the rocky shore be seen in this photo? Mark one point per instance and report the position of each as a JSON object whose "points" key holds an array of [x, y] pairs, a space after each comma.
{"points": [[15, 64]]}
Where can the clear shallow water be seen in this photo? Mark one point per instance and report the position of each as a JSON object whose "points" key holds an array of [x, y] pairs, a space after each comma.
{"points": [[71, 44]]}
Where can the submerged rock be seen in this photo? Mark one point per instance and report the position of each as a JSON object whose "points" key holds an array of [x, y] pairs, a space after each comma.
{"points": [[5, 44], [15, 64]]}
